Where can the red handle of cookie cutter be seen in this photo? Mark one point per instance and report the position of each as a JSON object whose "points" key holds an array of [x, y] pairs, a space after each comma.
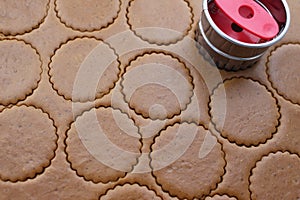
{"points": [[250, 16]]}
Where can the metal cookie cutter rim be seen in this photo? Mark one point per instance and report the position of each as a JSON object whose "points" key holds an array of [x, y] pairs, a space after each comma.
{"points": [[223, 53]]}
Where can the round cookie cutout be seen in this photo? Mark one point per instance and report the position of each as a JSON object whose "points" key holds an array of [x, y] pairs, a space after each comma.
{"points": [[130, 192], [220, 197], [284, 72], [28, 142], [179, 165], [276, 177], [21, 16], [157, 86], [159, 21], [95, 14], [84, 69], [20, 71], [103, 145], [248, 116]]}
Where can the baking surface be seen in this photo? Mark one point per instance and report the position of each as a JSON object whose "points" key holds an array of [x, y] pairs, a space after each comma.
{"points": [[111, 99]]}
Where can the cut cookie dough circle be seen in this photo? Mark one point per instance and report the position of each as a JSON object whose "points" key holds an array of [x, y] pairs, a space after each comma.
{"points": [[157, 86], [103, 145], [95, 14], [284, 71], [276, 177], [220, 197], [84, 69], [130, 192], [21, 16], [248, 116], [159, 21], [20, 70], [28, 143], [178, 152]]}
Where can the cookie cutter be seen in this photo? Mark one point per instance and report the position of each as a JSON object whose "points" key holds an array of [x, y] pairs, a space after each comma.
{"points": [[235, 34]]}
